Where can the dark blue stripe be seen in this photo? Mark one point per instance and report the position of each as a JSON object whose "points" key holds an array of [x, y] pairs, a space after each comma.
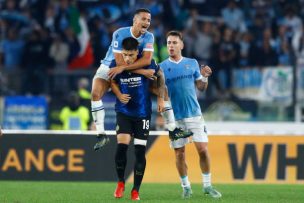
{"points": [[98, 109], [167, 109]]}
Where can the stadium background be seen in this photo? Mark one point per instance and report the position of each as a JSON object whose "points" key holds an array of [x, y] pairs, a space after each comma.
{"points": [[50, 50]]}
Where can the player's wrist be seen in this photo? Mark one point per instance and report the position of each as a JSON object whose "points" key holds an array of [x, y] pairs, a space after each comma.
{"points": [[204, 79], [122, 68]]}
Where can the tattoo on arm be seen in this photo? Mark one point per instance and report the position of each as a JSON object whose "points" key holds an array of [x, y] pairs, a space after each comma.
{"points": [[161, 84]]}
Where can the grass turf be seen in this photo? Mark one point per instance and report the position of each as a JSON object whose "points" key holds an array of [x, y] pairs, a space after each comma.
{"points": [[41, 191]]}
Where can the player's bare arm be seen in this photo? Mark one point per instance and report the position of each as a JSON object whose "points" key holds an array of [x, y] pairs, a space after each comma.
{"points": [[161, 90], [145, 60], [148, 73], [123, 98], [203, 84]]}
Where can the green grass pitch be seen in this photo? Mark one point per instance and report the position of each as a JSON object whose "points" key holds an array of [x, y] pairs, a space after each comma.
{"points": [[42, 191]]}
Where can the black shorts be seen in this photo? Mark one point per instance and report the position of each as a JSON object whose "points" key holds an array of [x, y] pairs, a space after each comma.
{"points": [[137, 127]]}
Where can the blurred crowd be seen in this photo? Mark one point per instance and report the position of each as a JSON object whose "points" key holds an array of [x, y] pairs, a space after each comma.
{"points": [[38, 37]]}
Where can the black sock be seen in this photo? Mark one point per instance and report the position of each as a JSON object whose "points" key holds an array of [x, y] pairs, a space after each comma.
{"points": [[140, 165], [121, 161]]}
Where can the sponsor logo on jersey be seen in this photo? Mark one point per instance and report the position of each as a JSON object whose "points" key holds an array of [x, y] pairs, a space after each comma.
{"points": [[127, 80]]}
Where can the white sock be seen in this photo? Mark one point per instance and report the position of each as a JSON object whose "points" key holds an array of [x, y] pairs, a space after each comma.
{"points": [[185, 181], [98, 114], [206, 179], [168, 116]]}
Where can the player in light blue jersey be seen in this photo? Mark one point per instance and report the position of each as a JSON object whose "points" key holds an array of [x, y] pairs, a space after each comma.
{"points": [[183, 75], [138, 30]]}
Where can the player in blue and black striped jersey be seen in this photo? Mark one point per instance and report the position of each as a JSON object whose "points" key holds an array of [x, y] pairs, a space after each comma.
{"points": [[133, 108]]}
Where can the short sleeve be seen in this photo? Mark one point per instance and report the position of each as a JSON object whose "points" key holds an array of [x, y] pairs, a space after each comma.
{"points": [[116, 42], [197, 72], [149, 43]]}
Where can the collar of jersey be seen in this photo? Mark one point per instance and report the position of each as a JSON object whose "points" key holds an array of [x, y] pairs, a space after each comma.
{"points": [[177, 62], [132, 33]]}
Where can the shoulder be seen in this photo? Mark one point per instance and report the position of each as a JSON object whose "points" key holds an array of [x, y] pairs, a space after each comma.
{"points": [[149, 35], [191, 61], [83, 109], [163, 63], [121, 30]]}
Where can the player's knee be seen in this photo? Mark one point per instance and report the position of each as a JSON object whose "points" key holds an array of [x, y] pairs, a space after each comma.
{"points": [[203, 152], [180, 154], [95, 94], [100, 87]]}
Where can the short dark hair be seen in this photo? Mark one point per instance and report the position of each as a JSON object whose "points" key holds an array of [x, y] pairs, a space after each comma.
{"points": [[175, 33], [130, 44], [140, 10]]}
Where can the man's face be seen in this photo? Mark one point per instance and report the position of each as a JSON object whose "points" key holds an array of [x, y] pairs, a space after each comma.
{"points": [[142, 22], [174, 46], [129, 56]]}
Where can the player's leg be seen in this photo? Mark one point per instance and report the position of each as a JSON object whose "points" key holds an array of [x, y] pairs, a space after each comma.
{"points": [[204, 160], [182, 169], [99, 87], [124, 128], [200, 139], [168, 115], [141, 132], [180, 162]]}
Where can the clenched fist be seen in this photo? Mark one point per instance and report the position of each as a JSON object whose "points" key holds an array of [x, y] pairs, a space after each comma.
{"points": [[206, 71]]}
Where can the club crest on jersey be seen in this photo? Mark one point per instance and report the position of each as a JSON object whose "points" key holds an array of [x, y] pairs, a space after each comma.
{"points": [[115, 44], [187, 66]]}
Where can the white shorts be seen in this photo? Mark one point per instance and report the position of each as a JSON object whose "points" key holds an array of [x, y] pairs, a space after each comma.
{"points": [[195, 125], [102, 72]]}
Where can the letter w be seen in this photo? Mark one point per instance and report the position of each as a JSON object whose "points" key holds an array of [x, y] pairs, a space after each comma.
{"points": [[250, 152]]}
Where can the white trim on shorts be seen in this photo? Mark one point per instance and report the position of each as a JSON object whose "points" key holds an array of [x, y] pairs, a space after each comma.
{"points": [[194, 124], [102, 72]]}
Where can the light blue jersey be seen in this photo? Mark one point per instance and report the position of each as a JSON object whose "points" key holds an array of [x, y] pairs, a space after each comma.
{"points": [[180, 80], [146, 42]]}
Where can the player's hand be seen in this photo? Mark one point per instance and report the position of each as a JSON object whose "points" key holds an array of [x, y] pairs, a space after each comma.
{"points": [[149, 73], [115, 71], [206, 71], [160, 105], [124, 98]]}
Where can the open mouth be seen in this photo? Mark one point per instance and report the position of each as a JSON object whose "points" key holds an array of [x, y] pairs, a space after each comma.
{"points": [[144, 27]]}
